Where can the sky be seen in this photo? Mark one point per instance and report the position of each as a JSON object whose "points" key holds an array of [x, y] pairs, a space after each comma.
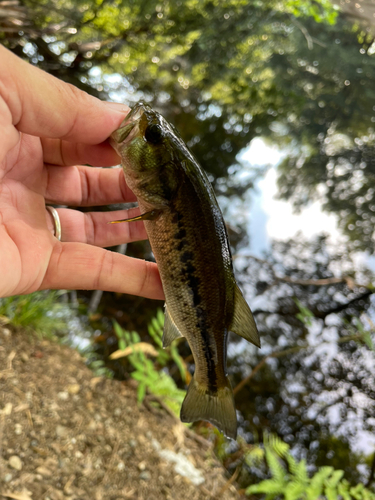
{"points": [[270, 218]]}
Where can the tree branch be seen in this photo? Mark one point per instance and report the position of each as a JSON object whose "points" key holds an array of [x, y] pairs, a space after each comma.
{"points": [[348, 280], [286, 352]]}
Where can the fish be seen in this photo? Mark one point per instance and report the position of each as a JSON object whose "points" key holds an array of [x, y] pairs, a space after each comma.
{"points": [[188, 238]]}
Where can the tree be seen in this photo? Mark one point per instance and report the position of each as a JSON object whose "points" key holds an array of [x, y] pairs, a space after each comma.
{"points": [[224, 73]]}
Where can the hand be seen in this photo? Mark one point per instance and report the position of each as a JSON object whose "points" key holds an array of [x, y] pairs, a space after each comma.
{"points": [[48, 130]]}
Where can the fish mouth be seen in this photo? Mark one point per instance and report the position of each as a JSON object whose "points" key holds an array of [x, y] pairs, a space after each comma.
{"points": [[128, 128]]}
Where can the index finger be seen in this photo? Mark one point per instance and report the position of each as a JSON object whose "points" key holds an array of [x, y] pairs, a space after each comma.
{"points": [[77, 266], [45, 106]]}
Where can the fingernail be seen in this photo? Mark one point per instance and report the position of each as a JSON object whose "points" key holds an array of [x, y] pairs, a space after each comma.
{"points": [[118, 106]]}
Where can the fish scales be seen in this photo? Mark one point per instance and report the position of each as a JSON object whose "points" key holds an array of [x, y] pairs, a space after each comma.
{"points": [[195, 288], [189, 240]]}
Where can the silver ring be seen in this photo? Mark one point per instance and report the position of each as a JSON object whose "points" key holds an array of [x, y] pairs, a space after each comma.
{"points": [[56, 220]]}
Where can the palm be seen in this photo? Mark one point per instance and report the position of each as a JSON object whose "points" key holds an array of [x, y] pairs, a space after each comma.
{"points": [[26, 241], [31, 257], [49, 131]]}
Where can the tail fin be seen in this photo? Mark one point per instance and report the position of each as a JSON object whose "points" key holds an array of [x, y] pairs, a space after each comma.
{"points": [[217, 408]]}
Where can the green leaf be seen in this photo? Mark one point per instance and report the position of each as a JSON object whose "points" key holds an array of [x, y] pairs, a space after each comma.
{"points": [[343, 490], [298, 469], [315, 489], [179, 361], [134, 337], [120, 333], [294, 490], [331, 493], [271, 487], [141, 392], [160, 318], [368, 341], [277, 471], [334, 479], [305, 315], [254, 456]]}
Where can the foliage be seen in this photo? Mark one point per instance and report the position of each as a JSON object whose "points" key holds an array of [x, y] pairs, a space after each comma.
{"points": [[224, 73], [158, 383], [304, 315], [149, 374], [96, 363], [208, 65], [41, 312], [290, 479], [155, 329]]}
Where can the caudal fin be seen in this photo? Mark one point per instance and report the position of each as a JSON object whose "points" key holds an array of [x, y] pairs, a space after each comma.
{"points": [[217, 408]]}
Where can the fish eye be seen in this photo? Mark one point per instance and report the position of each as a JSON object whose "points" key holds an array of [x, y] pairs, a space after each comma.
{"points": [[153, 134]]}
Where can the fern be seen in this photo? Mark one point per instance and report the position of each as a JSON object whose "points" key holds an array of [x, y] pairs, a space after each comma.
{"points": [[290, 479], [148, 377], [155, 330]]}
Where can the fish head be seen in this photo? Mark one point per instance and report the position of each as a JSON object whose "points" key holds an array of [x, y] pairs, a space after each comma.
{"points": [[150, 151]]}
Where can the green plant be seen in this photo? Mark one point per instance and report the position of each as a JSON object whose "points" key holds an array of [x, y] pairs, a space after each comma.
{"points": [[40, 312], [366, 334], [149, 378], [95, 363], [290, 479], [304, 315], [155, 329], [156, 382], [124, 337]]}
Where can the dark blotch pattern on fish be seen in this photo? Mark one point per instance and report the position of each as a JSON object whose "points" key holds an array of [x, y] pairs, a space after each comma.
{"points": [[186, 256], [168, 190], [176, 217], [181, 233], [208, 354], [181, 245], [189, 271]]}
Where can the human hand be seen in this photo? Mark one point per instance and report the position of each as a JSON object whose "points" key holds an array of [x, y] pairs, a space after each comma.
{"points": [[49, 129]]}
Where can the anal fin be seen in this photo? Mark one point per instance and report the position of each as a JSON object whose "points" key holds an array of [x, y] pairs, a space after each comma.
{"points": [[243, 323], [170, 332], [217, 408]]}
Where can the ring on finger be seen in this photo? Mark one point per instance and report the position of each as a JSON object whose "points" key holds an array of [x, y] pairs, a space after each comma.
{"points": [[56, 221]]}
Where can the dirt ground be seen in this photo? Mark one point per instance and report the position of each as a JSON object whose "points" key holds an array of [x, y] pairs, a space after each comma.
{"points": [[66, 435]]}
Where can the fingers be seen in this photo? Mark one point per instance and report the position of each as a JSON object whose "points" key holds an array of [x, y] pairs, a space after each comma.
{"points": [[94, 228], [75, 266], [59, 152], [44, 106], [86, 186]]}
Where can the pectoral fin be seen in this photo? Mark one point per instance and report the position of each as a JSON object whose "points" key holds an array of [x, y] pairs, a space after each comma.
{"points": [[170, 332], [151, 215], [243, 323]]}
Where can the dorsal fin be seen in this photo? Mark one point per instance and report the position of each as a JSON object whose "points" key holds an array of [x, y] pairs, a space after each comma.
{"points": [[243, 323], [170, 332]]}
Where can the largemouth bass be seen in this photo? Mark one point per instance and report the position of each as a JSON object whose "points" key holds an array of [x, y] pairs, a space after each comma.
{"points": [[189, 240]]}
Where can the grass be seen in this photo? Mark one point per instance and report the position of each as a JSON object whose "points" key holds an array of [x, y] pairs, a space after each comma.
{"points": [[39, 312]]}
